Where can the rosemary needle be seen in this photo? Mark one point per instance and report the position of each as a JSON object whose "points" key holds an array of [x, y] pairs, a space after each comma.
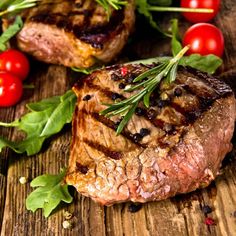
{"points": [[165, 71], [116, 4], [18, 5]]}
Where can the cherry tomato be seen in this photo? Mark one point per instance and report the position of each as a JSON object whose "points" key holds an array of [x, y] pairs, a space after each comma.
{"points": [[200, 17], [15, 62], [10, 89], [204, 39]]}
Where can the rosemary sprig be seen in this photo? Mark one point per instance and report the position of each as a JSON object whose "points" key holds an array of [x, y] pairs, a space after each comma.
{"points": [[148, 81], [107, 4], [17, 5]]}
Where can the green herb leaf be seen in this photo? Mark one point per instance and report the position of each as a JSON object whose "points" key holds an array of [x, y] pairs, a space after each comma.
{"points": [[45, 118], [11, 31], [175, 40], [148, 81], [16, 6], [107, 4], [50, 192], [208, 63]]}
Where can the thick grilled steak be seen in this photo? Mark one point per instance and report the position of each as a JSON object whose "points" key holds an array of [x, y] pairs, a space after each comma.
{"points": [[75, 33], [175, 146]]}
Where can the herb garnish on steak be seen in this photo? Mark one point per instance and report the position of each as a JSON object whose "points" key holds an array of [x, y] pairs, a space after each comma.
{"points": [[189, 135]]}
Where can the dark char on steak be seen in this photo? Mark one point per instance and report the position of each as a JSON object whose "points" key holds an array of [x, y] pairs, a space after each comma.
{"points": [[75, 33], [175, 146]]}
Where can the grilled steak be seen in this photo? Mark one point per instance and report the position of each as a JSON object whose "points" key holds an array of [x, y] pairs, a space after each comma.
{"points": [[75, 33], [173, 147]]}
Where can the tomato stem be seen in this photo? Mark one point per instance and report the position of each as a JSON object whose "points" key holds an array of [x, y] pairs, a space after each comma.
{"points": [[181, 9]]}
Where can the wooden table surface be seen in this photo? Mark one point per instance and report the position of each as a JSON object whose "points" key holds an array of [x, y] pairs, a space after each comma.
{"points": [[181, 215]]}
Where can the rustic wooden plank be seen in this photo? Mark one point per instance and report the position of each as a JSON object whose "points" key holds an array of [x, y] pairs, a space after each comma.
{"points": [[181, 215]]}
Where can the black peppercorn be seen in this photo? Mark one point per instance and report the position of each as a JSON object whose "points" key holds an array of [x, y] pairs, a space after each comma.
{"points": [[130, 78], [206, 209], [134, 207], [144, 132], [121, 86], [115, 96], [139, 111], [137, 137], [87, 97], [169, 128], [151, 114], [162, 103], [178, 92]]}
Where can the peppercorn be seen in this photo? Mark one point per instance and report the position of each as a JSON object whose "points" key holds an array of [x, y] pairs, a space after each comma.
{"points": [[209, 221], [67, 215], [115, 96], [66, 224], [134, 207], [137, 137], [87, 97], [23, 180], [123, 71], [131, 78], [178, 92], [139, 111], [168, 128], [144, 132], [206, 209], [151, 114], [161, 103], [121, 86]]}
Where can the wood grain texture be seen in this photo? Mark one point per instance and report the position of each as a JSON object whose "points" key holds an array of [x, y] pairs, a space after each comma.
{"points": [[179, 216]]}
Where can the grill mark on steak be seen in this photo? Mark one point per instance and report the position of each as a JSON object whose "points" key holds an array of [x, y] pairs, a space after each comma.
{"points": [[189, 116], [108, 93], [94, 34], [112, 125], [179, 160], [106, 151]]}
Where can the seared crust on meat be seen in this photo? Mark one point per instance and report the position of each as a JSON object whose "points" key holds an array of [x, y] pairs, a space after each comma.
{"points": [[75, 33], [191, 124]]}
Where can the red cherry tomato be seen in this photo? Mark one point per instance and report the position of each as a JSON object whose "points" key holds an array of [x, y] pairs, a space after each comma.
{"points": [[204, 39], [200, 17], [10, 89], [15, 62]]}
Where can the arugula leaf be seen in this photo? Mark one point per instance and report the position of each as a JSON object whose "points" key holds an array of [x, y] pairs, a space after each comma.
{"points": [[45, 118], [50, 192], [11, 31], [208, 63], [175, 40]]}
